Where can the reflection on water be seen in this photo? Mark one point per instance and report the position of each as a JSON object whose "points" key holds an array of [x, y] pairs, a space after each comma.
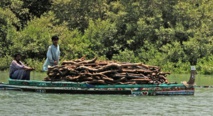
{"points": [[14, 103]]}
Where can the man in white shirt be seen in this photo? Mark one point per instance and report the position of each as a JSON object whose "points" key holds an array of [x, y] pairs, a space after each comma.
{"points": [[53, 54]]}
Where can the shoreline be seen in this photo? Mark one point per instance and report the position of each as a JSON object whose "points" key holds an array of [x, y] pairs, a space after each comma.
{"points": [[204, 86]]}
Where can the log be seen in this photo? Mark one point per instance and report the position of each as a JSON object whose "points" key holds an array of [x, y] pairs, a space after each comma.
{"points": [[136, 71], [79, 61], [70, 78], [164, 73], [70, 62], [147, 80], [89, 61], [104, 68], [106, 72], [96, 82]]}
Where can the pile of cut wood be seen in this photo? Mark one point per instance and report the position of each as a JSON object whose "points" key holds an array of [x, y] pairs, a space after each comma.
{"points": [[106, 72]]}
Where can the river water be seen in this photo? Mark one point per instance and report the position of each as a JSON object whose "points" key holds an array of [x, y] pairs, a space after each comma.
{"points": [[17, 103]]}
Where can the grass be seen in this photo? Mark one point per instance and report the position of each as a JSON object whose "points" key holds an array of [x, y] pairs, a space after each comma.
{"points": [[201, 80]]}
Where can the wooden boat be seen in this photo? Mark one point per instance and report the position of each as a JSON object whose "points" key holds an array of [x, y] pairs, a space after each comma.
{"points": [[184, 88]]}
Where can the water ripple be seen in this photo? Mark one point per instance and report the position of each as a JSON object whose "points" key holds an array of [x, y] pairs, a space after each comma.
{"points": [[34, 104]]}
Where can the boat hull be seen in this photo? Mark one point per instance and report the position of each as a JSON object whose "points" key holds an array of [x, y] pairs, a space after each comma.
{"points": [[84, 88]]}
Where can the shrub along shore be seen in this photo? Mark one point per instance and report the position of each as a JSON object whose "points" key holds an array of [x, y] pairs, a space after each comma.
{"points": [[171, 34]]}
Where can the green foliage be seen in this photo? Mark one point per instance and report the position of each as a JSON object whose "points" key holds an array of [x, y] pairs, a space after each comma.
{"points": [[19, 9], [34, 63], [171, 34], [174, 52], [5, 62], [205, 65], [74, 46], [176, 68], [77, 13], [100, 36], [34, 39], [126, 56], [7, 30], [37, 8]]}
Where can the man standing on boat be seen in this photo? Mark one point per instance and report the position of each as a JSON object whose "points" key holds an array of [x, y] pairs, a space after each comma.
{"points": [[53, 54], [18, 70]]}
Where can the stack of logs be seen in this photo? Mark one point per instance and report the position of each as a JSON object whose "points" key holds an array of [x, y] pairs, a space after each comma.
{"points": [[106, 72]]}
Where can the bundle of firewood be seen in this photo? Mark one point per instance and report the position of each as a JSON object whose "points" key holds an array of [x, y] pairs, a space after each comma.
{"points": [[106, 72]]}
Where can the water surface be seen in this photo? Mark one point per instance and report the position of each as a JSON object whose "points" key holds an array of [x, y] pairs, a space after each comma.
{"points": [[16, 103]]}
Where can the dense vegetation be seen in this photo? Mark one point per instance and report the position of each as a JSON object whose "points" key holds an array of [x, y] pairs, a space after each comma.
{"points": [[171, 34]]}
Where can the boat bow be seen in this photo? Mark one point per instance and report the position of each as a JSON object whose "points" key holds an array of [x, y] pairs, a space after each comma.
{"points": [[191, 81]]}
